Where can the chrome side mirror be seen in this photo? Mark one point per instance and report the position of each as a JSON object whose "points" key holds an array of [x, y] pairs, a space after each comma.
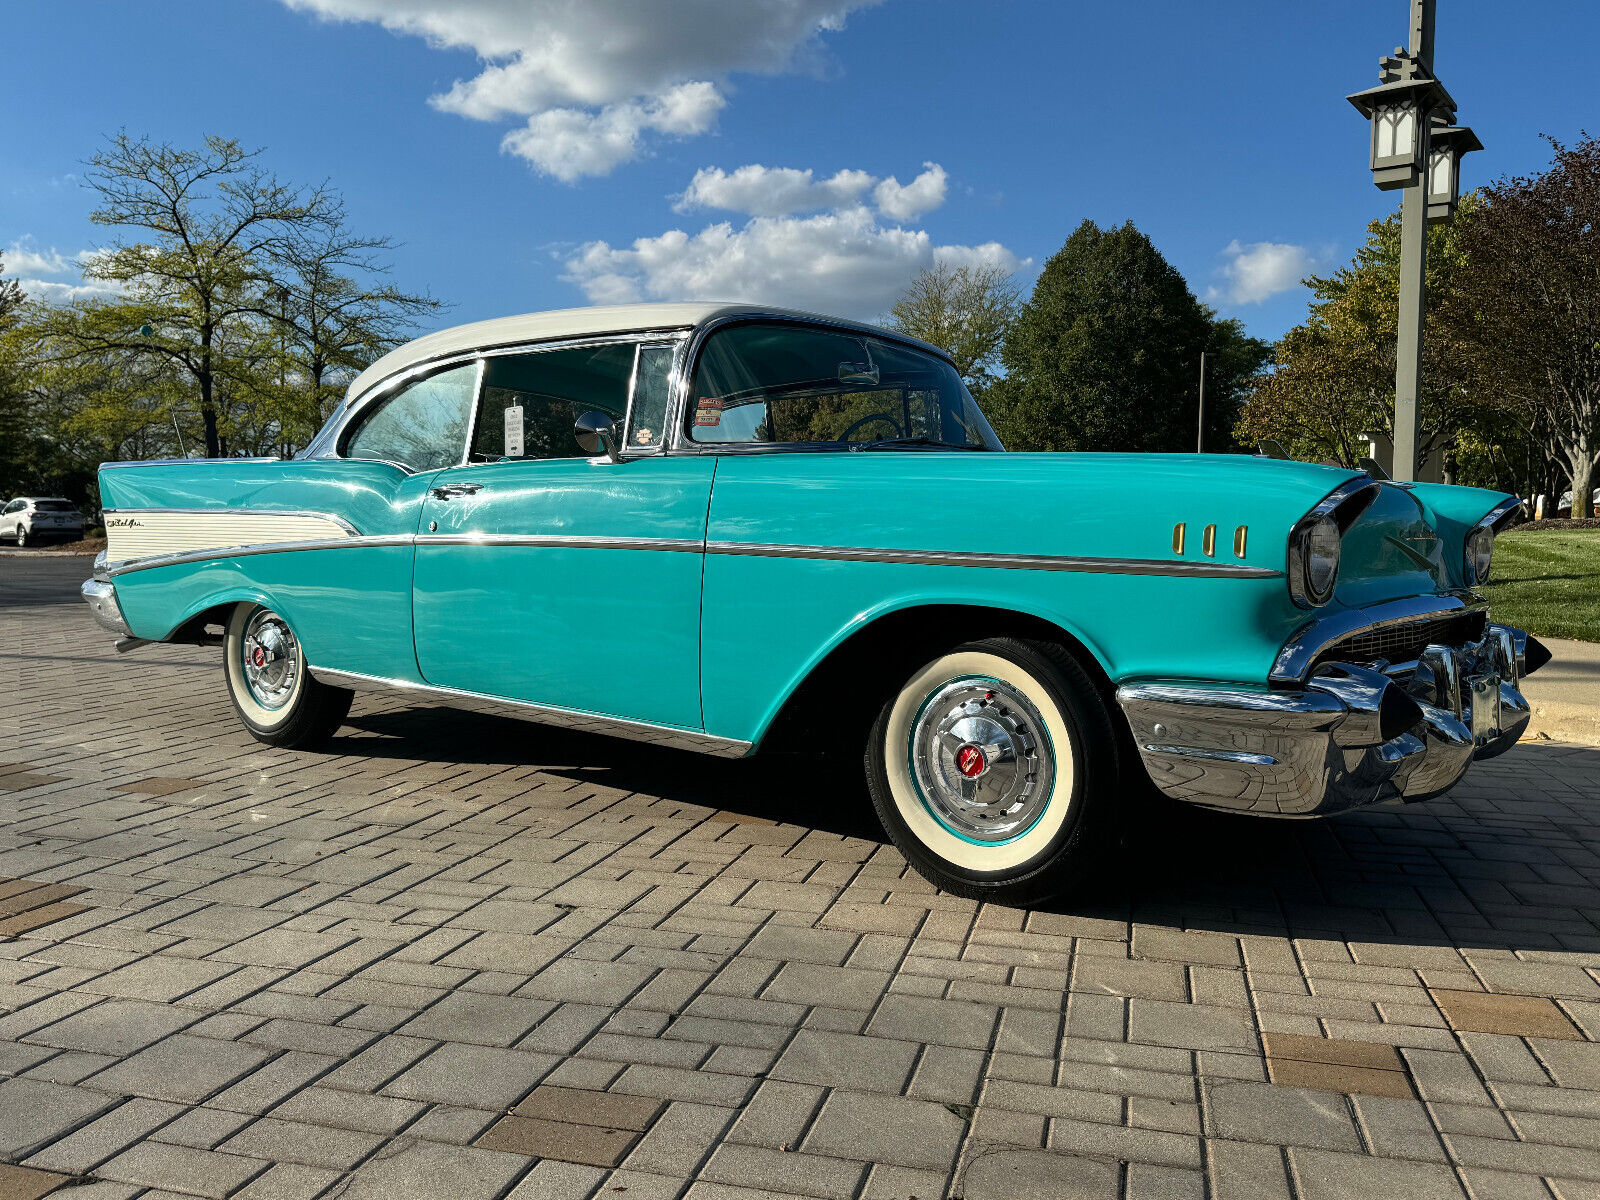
{"points": [[597, 434]]}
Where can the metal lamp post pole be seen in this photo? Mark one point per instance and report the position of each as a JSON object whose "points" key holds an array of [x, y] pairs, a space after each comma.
{"points": [[1200, 431], [1413, 269]]}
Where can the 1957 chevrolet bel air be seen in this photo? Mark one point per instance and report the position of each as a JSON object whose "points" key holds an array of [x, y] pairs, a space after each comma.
{"points": [[715, 527]]}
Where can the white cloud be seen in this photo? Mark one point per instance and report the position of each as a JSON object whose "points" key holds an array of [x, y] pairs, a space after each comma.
{"points": [[922, 194], [570, 143], [1260, 270], [771, 191], [590, 77], [24, 261], [841, 262]]}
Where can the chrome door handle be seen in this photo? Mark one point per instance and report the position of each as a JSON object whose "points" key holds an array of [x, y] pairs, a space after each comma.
{"points": [[451, 490]]}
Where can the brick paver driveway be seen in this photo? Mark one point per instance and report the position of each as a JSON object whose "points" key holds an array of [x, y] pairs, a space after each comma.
{"points": [[457, 957]]}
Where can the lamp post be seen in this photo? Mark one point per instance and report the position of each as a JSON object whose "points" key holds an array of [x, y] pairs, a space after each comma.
{"points": [[1417, 148]]}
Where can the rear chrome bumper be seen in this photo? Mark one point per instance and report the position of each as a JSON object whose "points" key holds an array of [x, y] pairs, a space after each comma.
{"points": [[1352, 736], [101, 596]]}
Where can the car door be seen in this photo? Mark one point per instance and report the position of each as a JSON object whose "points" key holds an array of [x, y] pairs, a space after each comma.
{"points": [[547, 576], [8, 518]]}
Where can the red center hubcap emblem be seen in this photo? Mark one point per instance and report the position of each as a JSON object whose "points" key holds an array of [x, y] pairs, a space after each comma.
{"points": [[970, 761], [259, 657]]}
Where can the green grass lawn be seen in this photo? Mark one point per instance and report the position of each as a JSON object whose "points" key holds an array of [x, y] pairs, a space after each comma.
{"points": [[1548, 582]]}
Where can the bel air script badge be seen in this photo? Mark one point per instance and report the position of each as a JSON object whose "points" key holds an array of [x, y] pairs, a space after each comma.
{"points": [[122, 522]]}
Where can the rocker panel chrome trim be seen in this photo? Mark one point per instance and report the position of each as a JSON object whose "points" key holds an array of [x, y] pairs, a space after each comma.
{"points": [[545, 714]]}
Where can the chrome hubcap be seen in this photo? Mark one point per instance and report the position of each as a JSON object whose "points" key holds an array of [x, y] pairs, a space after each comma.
{"points": [[982, 759], [271, 660]]}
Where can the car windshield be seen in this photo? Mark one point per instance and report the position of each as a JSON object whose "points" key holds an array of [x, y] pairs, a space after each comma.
{"points": [[63, 506], [800, 384]]}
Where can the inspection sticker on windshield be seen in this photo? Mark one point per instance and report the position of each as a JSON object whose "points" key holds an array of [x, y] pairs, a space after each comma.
{"points": [[708, 411], [514, 431]]}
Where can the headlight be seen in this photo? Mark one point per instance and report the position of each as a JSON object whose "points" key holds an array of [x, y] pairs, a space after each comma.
{"points": [[1480, 550], [1314, 561]]}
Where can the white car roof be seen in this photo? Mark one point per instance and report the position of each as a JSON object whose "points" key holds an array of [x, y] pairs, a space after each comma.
{"points": [[577, 323]]}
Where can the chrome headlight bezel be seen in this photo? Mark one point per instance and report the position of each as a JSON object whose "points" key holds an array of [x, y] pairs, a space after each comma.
{"points": [[1315, 548], [1478, 555]]}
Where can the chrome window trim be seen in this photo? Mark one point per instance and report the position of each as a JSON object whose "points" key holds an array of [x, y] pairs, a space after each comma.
{"points": [[336, 450], [472, 417], [676, 343], [127, 566], [546, 714], [679, 397], [1300, 653], [331, 435], [239, 512]]}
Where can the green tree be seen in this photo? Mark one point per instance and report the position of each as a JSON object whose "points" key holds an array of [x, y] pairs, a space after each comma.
{"points": [[335, 313], [965, 311], [1526, 314], [1332, 376], [1105, 355], [204, 223]]}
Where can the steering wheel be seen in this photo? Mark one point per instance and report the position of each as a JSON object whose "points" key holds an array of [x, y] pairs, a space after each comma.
{"points": [[867, 420]]}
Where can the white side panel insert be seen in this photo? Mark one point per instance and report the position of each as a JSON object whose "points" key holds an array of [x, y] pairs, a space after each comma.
{"points": [[143, 532]]}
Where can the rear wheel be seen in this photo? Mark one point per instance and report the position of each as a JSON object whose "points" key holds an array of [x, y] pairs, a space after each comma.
{"points": [[22, 537], [273, 693], [993, 770]]}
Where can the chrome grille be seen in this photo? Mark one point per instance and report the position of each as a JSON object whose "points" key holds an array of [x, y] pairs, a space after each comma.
{"points": [[1405, 642]]}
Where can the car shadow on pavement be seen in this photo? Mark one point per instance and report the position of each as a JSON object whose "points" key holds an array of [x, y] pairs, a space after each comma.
{"points": [[1503, 862], [825, 793]]}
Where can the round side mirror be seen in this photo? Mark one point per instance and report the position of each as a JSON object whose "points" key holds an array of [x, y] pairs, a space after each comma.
{"points": [[597, 434]]}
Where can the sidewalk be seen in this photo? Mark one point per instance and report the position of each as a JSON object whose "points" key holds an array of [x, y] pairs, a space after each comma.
{"points": [[1565, 693]]}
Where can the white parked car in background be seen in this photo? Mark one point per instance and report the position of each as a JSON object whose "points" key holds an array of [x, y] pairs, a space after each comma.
{"points": [[1565, 504], [28, 520]]}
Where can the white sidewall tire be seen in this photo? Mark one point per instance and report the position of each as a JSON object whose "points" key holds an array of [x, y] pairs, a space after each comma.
{"points": [[264, 719], [1006, 857]]}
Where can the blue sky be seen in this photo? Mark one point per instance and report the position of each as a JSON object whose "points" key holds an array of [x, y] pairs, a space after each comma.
{"points": [[538, 153]]}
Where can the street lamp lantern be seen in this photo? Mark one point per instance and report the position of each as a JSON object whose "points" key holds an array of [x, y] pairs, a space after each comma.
{"points": [[1417, 148], [1399, 112], [1446, 145]]}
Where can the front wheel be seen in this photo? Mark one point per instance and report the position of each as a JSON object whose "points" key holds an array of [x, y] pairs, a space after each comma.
{"points": [[993, 770], [273, 693]]}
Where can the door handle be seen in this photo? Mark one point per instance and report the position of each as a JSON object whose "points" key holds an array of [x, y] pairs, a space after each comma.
{"points": [[451, 490]]}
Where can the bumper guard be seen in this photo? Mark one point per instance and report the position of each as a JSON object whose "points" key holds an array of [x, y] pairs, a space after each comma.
{"points": [[1352, 736]]}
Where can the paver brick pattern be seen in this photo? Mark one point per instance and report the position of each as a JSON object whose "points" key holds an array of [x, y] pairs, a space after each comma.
{"points": [[461, 956]]}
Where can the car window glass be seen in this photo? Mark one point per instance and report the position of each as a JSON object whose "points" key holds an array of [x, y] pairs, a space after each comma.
{"points": [[14, 506], [769, 382], [531, 401], [652, 379], [60, 506], [423, 426]]}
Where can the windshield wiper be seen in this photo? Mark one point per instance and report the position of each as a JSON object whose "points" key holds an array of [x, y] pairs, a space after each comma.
{"points": [[896, 443]]}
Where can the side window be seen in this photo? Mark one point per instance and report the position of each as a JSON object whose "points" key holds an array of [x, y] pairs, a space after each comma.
{"points": [[15, 506], [774, 382], [531, 401], [652, 379], [423, 426]]}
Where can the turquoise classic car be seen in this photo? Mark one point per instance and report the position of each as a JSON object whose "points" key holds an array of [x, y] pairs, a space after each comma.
{"points": [[719, 528]]}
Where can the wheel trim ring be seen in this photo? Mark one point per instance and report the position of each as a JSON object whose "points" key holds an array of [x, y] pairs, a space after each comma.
{"points": [[1042, 730], [271, 697]]}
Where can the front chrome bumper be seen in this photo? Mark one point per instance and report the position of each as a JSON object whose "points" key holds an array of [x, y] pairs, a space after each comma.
{"points": [[1352, 736]]}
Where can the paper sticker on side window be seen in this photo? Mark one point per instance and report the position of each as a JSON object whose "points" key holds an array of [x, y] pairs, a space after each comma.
{"points": [[514, 431], [708, 410]]}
